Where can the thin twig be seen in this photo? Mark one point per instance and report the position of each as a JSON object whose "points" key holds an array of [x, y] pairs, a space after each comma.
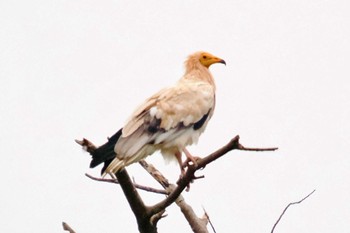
{"points": [[256, 149], [207, 216], [138, 186], [285, 209]]}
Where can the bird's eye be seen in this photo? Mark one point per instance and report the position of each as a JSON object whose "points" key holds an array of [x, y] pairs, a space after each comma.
{"points": [[205, 57]]}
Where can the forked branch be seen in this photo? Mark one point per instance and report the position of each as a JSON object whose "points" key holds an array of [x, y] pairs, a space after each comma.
{"points": [[198, 225]]}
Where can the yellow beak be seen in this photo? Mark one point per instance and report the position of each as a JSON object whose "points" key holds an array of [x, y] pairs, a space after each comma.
{"points": [[208, 60]]}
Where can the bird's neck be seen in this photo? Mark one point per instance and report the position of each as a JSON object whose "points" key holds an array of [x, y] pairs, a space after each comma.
{"points": [[199, 73]]}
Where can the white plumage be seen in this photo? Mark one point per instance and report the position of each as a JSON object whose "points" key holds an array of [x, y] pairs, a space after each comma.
{"points": [[171, 119]]}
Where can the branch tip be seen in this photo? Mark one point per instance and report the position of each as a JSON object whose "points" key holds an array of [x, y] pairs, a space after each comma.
{"points": [[66, 227], [86, 144]]}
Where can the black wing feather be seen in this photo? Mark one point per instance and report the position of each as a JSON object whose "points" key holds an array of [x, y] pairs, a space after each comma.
{"points": [[105, 153]]}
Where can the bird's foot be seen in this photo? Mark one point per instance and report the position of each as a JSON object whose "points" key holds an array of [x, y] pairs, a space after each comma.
{"points": [[190, 158], [191, 161], [183, 174]]}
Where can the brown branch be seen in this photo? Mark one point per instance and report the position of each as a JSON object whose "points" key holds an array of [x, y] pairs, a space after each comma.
{"points": [[201, 163], [144, 214], [197, 225], [138, 186], [87, 145], [137, 206], [66, 227], [135, 202], [155, 218], [285, 209], [234, 144], [155, 173]]}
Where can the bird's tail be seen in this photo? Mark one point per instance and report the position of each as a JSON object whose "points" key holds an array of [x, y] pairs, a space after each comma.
{"points": [[105, 153], [113, 167]]}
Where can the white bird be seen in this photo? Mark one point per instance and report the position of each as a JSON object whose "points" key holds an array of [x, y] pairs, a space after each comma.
{"points": [[168, 121]]}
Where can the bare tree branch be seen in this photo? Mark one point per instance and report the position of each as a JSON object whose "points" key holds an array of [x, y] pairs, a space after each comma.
{"points": [[234, 144], [197, 225], [87, 145], [135, 202], [66, 227], [155, 173], [285, 209], [147, 217], [201, 163], [155, 218], [138, 186], [137, 206]]}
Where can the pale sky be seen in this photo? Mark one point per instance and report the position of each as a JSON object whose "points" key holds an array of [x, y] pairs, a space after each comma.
{"points": [[73, 69]]}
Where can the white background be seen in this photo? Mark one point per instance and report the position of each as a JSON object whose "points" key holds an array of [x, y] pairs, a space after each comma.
{"points": [[73, 69]]}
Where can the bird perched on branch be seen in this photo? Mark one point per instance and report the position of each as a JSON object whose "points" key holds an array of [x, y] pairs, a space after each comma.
{"points": [[168, 121]]}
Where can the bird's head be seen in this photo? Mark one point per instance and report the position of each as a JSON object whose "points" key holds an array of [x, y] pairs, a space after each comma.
{"points": [[207, 59], [202, 59]]}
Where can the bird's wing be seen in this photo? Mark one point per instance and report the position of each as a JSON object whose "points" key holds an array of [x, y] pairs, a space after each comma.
{"points": [[183, 105]]}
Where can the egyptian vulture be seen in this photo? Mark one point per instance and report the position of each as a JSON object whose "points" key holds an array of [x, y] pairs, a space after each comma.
{"points": [[168, 121]]}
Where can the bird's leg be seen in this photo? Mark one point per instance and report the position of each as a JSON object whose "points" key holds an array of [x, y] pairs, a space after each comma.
{"points": [[190, 158], [178, 156]]}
